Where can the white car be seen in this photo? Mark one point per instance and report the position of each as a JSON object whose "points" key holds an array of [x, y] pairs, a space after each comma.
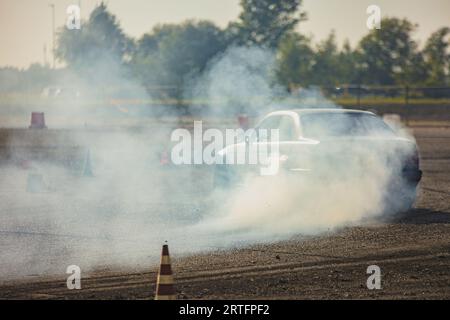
{"points": [[334, 144]]}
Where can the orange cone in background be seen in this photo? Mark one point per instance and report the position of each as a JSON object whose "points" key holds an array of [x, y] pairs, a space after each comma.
{"points": [[244, 122], [25, 164], [37, 121], [87, 168], [164, 159], [165, 289], [35, 183]]}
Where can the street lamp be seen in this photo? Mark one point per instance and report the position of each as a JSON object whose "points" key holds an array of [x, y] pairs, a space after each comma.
{"points": [[52, 5]]}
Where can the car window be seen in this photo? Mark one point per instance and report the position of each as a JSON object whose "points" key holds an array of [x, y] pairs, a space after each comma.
{"points": [[263, 130], [316, 125], [287, 129]]}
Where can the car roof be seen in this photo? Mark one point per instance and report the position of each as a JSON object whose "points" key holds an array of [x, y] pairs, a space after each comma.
{"points": [[322, 110], [298, 113]]}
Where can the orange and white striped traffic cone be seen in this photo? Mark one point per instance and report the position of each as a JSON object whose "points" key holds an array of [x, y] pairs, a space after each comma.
{"points": [[165, 289]]}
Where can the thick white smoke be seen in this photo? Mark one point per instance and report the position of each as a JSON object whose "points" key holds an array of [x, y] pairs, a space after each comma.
{"points": [[349, 181], [134, 202], [241, 79]]}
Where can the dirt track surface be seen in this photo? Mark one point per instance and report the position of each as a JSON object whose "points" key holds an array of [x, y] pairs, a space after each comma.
{"points": [[413, 252]]}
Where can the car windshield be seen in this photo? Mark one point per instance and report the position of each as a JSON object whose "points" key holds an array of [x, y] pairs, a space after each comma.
{"points": [[316, 125]]}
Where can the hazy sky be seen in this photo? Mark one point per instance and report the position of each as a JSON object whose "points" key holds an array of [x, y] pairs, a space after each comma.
{"points": [[25, 25]]}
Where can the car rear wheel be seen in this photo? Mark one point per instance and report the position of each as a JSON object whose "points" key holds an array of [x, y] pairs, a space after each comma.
{"points": [[400, 200]]}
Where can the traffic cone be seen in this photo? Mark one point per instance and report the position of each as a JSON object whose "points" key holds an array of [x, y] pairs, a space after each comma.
{"points": [[37, 121], [25, 164], [164, 159], [244, 122], [35, 183], [87, 168], [165, 289]]}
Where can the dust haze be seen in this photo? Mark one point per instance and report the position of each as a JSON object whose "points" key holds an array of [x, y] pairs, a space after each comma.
{"points": [[134, 200]]}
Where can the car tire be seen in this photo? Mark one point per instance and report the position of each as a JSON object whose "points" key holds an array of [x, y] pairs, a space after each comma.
{"points": [[400, 201]]}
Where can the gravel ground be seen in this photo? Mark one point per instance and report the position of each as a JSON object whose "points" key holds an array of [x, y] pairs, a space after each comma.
{"points": [[413, 251]]}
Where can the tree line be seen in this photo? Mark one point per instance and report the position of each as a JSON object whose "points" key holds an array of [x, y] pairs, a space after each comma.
{"points": [[172, 54]]}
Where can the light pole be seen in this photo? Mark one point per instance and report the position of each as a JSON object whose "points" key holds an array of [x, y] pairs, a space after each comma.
{"points": [[52, 5]]}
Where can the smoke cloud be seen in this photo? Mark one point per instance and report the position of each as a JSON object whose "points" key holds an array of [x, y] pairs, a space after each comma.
{"points": [[135, 201]]}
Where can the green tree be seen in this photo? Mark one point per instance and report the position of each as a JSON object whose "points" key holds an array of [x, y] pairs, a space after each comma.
{"points": [[295, 60], [437, 57], [98, 39], [266, 22], [325, 70], [389, 56], [10, 79], [174, 54], [347, 65]]}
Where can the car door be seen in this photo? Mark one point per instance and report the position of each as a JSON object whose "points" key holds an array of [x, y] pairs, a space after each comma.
{"points": [[264, 142], [288, 139], [287, 134]]}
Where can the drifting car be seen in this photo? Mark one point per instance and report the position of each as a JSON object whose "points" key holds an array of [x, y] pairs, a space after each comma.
{"points": [[327, 145]]}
